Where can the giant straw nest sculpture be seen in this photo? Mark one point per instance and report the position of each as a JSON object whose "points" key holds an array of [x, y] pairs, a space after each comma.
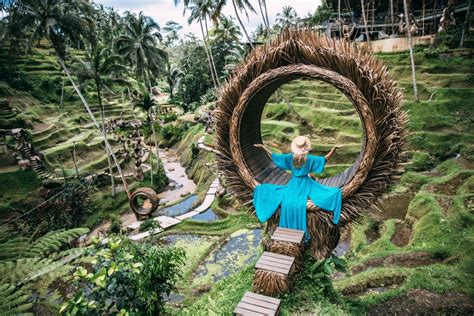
{"points": [[364, 80]]}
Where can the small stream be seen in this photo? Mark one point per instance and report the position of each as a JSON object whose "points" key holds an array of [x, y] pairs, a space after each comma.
{"points": [[180, 208]]}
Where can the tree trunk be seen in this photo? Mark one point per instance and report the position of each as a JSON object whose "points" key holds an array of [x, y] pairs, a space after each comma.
{"points": [[392, 17], [207, 53], [241, 24], [339, 9], [266, 15], [86, 105], [62, 94], [465, 28], [263, 15], [365, 20], [410, 43], [104, 134], [155, 140], [210, 55]]}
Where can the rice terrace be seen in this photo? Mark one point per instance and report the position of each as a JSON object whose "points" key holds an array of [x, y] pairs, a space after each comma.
{"points": [[241, 157]]}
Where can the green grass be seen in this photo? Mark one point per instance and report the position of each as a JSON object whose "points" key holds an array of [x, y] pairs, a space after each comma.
{"points": [[18, 183]]}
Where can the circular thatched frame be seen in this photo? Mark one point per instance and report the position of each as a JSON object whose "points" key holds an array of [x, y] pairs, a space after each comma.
{"points": [[144, 194], [357, 74]]}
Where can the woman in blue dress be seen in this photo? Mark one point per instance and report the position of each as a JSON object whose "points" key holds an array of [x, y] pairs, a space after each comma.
{"points": [[292, 198]]}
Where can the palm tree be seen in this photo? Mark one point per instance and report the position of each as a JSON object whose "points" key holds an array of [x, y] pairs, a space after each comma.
{"points": [[172, 76], [59, 21], [147, 103], [263, 11], [171, 30], [287, 18], [200, 10], [138, 46], [226, 31], [243, 5], [101, 66]]}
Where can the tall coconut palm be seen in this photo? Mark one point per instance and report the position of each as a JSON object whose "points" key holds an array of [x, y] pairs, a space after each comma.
{"points": [[287, 18], [147, 103], [101, 66], [239, 6], [226, 31], [200, 11], [263, 11], [59, 21], [139, 46]]}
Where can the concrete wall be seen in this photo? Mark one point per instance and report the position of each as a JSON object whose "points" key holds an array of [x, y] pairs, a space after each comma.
{"points": [[400, 44]]}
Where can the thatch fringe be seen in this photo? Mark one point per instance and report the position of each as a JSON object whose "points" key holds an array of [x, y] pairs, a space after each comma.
{"points": [[285, 248], [361, 77], [272, 283]]}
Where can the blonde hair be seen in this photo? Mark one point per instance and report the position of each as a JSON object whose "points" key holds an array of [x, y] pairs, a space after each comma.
{"points": [[299, 160]]}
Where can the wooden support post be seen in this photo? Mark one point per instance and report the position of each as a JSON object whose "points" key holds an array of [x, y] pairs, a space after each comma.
{"points": [[365, 20], [410, 43]]}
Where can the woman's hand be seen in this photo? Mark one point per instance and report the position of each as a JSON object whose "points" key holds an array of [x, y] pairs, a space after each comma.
{"points": [[331, 152]]}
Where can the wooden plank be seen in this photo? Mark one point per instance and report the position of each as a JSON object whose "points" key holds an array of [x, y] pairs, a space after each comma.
{"points": [[286, 234], [257, 309], [272, 175], [287, 239], [272, 269], [284, 230], [290, 235], [281, 178], [276, 255], [246, 312], [263, 297], [274, 264], [275, 260], [260, 303], [265, 172]]}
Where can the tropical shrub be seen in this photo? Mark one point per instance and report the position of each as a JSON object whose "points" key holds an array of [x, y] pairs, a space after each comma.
{"points": [[125, 278]]}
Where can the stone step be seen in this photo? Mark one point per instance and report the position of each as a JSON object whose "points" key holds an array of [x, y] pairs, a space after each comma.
{"points": [[256, 304]]}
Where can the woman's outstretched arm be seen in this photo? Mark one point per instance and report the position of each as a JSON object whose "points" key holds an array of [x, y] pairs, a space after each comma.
{"points": [[331, 152], [263, 147]]}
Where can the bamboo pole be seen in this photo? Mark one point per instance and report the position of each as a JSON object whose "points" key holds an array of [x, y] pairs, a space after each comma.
{"points": [[365, 20], [410, 43], [466, 24], [392, 16]]}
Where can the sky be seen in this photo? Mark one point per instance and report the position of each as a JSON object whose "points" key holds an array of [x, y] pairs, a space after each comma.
{"points": [[165, 10]]}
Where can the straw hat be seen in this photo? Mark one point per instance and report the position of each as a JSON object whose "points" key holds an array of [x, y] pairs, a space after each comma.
{"points": [[301, 145]]}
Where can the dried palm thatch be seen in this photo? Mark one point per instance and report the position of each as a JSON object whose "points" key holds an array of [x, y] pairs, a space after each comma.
{"points": [[272, 283], [147, 195], [298, 53], [285, 248]]}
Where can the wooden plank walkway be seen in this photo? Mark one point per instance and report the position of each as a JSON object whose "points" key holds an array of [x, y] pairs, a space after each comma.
{"points": [[288, 235], [275, 263], [256, 304]]}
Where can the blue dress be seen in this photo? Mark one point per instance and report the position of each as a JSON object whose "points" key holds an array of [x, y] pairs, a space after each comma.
{"points": [[293, 197]]}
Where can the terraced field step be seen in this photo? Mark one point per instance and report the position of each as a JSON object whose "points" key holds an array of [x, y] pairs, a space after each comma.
{"points": [[256, 304]]}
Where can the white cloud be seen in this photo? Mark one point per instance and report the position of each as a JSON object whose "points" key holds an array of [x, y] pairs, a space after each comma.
{"points": [[165, 10]]}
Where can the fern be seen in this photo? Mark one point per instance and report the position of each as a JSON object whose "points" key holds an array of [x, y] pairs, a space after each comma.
{"points": [[53, 241], [14, 301], [28, 267], [13, 248]]}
